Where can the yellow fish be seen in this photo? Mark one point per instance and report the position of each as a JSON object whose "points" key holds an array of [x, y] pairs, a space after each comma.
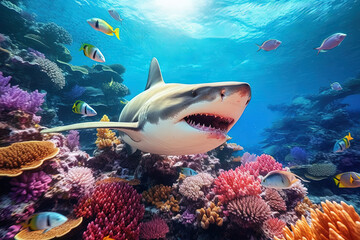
{"points": [[92, 52], [124, 101], [347, 180], [102, 26], [111, 83]]}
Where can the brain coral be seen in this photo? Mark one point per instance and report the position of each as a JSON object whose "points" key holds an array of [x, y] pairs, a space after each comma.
{"points": [[193, 187], [321, 171], [54, 73], [24, 156], [55, 33]]}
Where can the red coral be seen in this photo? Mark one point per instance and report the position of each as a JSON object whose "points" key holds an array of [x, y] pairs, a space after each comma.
{"points": [[267, 164], [115, 211], [273, 227], [248, 211], [236, 183], [274, 200], [154, 229]]}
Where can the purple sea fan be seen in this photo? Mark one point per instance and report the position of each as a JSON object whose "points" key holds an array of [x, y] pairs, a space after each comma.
{"points": [[29, 186], [73, 140], [14, 98], [80, 180]]}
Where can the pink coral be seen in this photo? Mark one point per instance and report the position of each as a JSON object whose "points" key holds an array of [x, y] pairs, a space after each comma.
{"points": [[262, 166], [274, 200], [29, 186], [273, 227], [236, 183], [154, 229], [12, 231], [80, 181], [114, 210], [248, 211], [193, 187]]}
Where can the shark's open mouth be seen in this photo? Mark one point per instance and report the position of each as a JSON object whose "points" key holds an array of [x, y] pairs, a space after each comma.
{"points": [[209, 122]]}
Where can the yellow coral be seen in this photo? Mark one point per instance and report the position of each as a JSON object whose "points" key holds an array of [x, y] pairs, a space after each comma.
{"points": [[106, 137], [25, 156], [160, 196], [337, 222], [209, 216]]}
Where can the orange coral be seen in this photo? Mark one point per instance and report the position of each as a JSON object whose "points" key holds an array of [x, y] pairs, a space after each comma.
{"points": [[25, 156], [209, 216], [303, 207], [56, 232], [160, 196], [106, 137], [337, 222]]}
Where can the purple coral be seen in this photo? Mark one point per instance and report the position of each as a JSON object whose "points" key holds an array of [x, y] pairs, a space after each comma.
{"points": [[14, 98], [187, 217], [73, 140], [12, 231], [29, 186], [36, 53], [299, 155]]}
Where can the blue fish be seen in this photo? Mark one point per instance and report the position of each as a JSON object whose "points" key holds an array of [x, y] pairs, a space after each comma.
{"points": [[44, 221], [188, 172], [342, 144]]}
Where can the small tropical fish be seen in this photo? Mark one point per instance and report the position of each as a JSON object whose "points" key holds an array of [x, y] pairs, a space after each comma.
{"points": [[188, 171], [44, 220], [336, 86], [108, 238], [111, 83], [102, 26], [115, 15], [347, 180], [279, 179], [83, 108], [331, 42], [342, 144], [269, 45], [92, 52], [124, 101]]}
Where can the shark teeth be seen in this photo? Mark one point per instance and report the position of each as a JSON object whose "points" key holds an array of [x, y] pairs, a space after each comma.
{"points": [[209, 122]]}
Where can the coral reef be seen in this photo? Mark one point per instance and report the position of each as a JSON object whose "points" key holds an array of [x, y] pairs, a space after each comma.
{"points": [[160, 196], [274, 200], [193, 187], [273, 227], [337, 221], [106, 137], [210, 215], [115, 211], [29, 186], [320, 171], [25, 156], [154, 229]]}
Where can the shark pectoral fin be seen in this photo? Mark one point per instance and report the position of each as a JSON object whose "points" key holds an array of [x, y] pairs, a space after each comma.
{"points": [[129, 128], [154, 76]]}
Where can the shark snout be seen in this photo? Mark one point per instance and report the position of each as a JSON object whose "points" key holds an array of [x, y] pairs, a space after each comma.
{"points": [[237, 91]]}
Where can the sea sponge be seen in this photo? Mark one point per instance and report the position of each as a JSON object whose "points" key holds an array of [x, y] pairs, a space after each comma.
{"points": [[248, 211], [25, 156], [193, 186], [210, 215], [56, 232], [320, 171], [53, 71], [106, 137], [337, 221]]}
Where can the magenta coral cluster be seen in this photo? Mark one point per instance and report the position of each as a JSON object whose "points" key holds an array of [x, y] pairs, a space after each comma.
{"points": [[115, 210], [262, 166], [154, 229], [14, 98], [29, 186]]}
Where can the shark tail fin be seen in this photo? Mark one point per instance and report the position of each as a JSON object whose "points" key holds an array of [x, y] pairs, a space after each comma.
{"points": [[117, 31], [258, 46]]}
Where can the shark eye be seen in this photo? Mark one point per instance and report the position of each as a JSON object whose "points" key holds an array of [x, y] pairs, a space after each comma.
{"points": [[194, 93]]}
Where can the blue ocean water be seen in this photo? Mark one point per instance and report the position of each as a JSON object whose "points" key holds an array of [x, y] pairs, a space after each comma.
{"points": [[209, 41]]}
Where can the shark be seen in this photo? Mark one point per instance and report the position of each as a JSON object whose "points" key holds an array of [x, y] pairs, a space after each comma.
{"points": [[174, 118]]}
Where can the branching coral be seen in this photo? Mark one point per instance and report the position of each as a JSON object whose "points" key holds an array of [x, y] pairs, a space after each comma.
{"points": [[274, 200], [160, 196], [29, 186], [273, 227], [114, 210], [248, 211], [262, 166], [210, 215], [337, 221], [106, 137], [236, 183], [24, 156], [193, 187], [13, 98], [54, 73], [154, 229]]}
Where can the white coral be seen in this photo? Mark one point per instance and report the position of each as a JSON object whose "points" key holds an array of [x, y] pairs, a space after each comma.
{"points": [[193, 186]]}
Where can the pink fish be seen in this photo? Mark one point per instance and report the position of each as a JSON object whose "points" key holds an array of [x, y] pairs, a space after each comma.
{"points": [[331, 42], [269, 45]]}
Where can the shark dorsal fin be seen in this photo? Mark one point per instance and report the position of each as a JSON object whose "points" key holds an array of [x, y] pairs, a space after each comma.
{"points": [[154, 77]]}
